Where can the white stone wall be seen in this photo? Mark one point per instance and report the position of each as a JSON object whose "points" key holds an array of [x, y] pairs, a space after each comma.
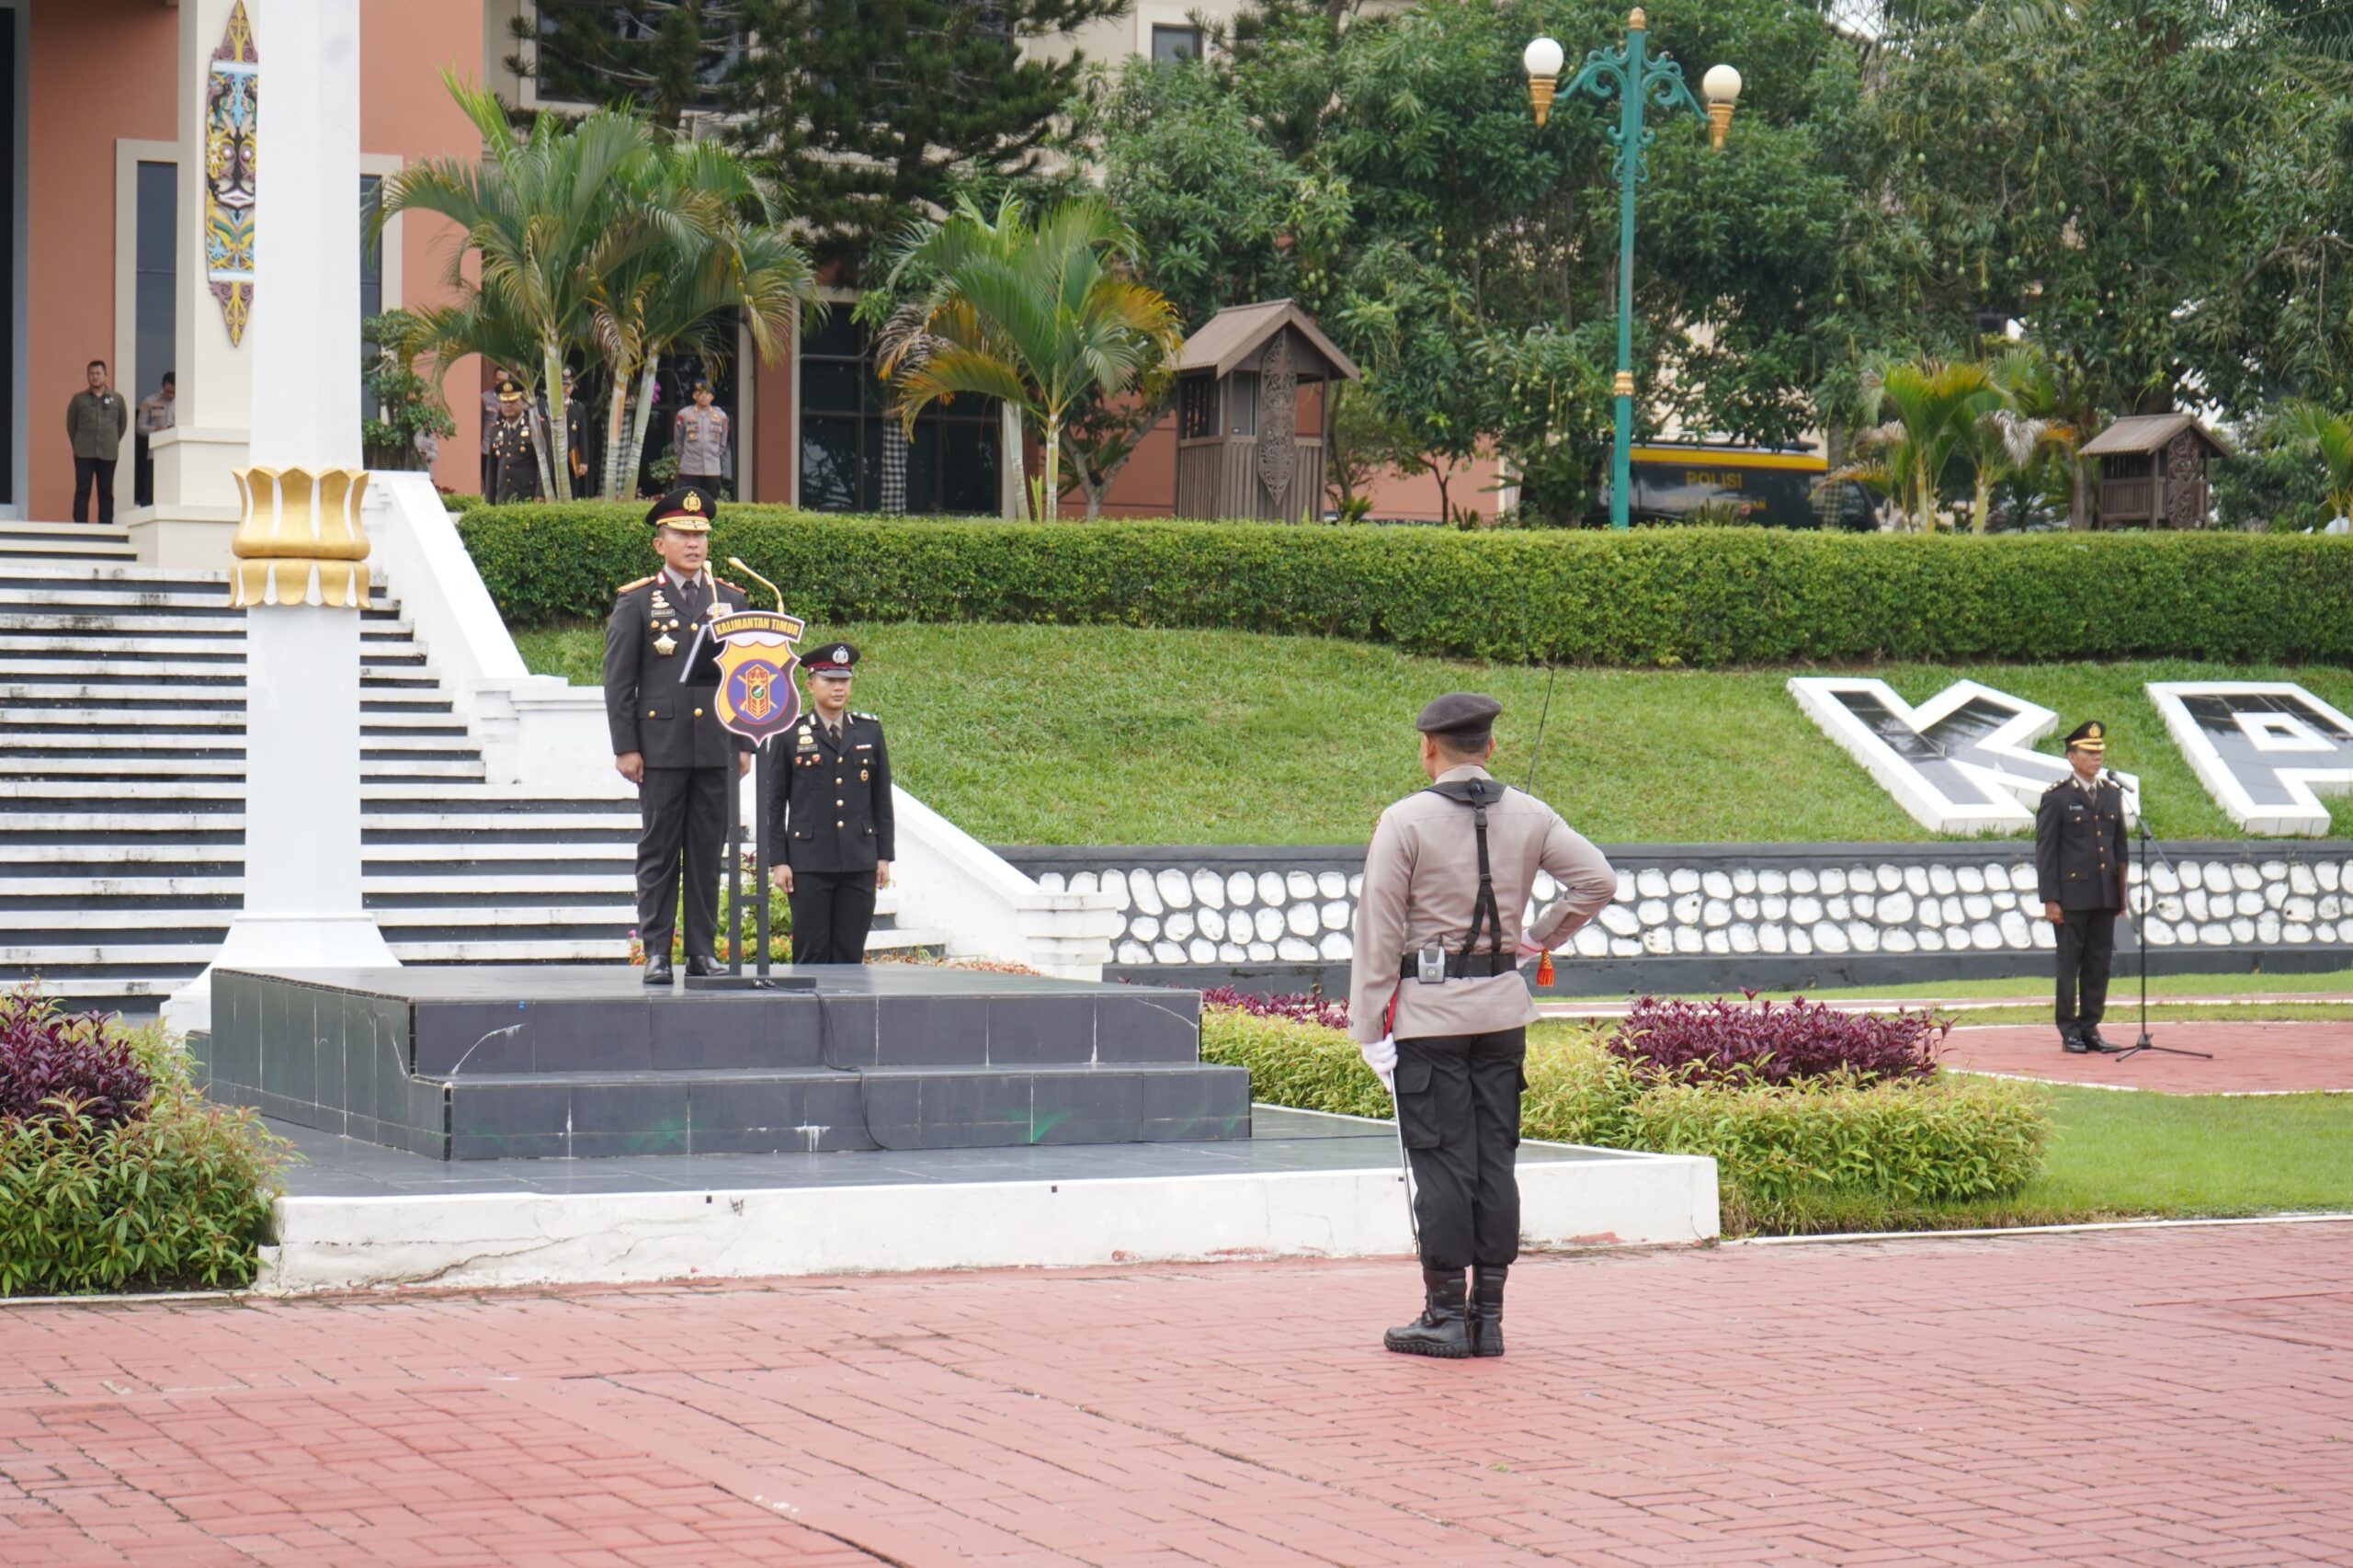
{"points": [[1873, 900]]}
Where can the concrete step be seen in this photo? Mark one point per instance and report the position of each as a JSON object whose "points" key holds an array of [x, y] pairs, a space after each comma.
{"points": [[45, 625], [220, 741], [16, 548], [96, 770]]}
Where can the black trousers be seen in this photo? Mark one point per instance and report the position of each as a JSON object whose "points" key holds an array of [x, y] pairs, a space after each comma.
{"points": [[142, 473], [2086, 948], [832, 913], [89, 473], [1458, 1102], [709, 481], [680, 809]]}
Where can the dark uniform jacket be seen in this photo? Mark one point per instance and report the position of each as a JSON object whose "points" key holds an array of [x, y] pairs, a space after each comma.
{"points": [[2079, 846], [830, 808], [514, 464], [673, 723]]}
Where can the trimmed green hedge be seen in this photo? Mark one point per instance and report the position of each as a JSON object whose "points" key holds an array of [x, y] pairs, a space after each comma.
{"points": [[1780, 1149], [1662, 596]]}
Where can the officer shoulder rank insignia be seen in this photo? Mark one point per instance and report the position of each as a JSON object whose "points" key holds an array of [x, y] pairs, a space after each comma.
{"points": [[632, 587]]}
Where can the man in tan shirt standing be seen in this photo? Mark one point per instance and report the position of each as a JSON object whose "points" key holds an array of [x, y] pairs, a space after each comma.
{"points": [[1437, 1004]]}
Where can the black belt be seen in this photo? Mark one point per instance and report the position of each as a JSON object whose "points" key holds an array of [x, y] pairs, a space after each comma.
{"points": [[1458, 967]]}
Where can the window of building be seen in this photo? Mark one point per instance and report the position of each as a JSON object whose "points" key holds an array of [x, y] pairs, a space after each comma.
{"points": [[371, 275], [1172, 44], [155, 265], [953, 462], [1242, 403], [1197, 409]]}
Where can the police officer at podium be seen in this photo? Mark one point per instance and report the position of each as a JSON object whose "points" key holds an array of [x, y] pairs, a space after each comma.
{"points": [[1438, 1006], [661, 680], [830, 827], [2080, 861]]}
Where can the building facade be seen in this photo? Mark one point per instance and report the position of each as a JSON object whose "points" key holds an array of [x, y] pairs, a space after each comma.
{"points": [[121, 152]]}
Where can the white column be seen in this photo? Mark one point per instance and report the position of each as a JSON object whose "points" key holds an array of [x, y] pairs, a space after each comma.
{"points": [[302, 907], [196, 510]]}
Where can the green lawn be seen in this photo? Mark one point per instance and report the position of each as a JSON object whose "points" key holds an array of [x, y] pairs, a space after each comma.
{"points": [[2122, 1155], [1042, 734]]}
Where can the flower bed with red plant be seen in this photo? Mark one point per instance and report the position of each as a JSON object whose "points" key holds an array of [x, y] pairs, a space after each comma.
{"points": [[1755, 1041], [115, 1173]]}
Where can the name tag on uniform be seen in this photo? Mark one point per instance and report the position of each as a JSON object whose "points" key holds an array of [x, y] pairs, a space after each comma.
{"points": [[862, 746]]}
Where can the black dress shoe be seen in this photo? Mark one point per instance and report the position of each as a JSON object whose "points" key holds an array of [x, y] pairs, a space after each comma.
{"points": [[702, 966], [2095, 1041], [2072, 1042], [1443, 1329], [657, 968]]}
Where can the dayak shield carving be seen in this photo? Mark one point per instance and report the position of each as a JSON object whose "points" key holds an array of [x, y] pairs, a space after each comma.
{"points": [[1277, 419], [757, 696]]}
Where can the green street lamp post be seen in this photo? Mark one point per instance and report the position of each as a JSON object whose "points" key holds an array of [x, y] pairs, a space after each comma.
{"points": [[1639, 81]]}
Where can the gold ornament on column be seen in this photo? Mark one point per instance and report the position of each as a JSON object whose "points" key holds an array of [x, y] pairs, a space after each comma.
{"points": [[300, 541]]}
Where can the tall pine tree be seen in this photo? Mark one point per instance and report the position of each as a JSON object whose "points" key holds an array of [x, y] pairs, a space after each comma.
{"points": [[664, 56], [874, 109]]}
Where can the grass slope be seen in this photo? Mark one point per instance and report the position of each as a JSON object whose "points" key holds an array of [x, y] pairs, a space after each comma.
{"points": [[1046, 734]]}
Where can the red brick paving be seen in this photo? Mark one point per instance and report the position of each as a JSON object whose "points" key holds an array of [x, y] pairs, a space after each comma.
{"points": [[2163, 1396], [2248, 1058]]}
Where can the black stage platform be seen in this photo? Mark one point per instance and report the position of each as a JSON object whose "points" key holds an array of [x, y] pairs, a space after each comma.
{"points": [[556, 1062]]}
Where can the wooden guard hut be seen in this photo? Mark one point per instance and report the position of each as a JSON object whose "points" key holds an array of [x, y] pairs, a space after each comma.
{"points": [[1254, 412], [2152, 471]]}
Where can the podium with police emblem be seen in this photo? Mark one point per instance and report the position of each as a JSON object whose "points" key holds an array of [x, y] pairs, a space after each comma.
{"points": [[547, 1062]]}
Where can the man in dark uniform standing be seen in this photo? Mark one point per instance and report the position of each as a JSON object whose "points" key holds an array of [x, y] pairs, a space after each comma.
{"points": [[829, 816], [666, 735], [1438, 1006], [514, 463], [2080, 862]]}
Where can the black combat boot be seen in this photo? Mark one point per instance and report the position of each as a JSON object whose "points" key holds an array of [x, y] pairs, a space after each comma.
{"points": [[1487, 1310], [1442, 1329]]}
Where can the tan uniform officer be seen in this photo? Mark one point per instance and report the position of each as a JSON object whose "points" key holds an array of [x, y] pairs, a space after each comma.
{"points": [[1446, 879]]}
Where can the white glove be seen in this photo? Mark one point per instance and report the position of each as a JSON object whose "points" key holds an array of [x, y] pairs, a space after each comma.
{"points": [[1381, 1055], [1528, 949]]}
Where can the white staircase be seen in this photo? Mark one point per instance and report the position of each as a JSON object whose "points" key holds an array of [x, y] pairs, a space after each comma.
{"points": [[123, 795]]}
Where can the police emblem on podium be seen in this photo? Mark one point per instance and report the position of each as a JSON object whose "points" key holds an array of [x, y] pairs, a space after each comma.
{"points": [[757, 696]]}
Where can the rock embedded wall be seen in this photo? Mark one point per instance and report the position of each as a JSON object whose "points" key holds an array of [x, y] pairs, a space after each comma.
{"points": [[1200, 907]]}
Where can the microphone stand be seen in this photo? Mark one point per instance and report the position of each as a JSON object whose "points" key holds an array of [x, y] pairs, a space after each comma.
{"points": [[2141, 940]]}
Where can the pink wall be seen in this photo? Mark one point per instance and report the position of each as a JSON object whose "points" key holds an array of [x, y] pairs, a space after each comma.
{"points": [[405, 45], [103, 70], [97, 70]]}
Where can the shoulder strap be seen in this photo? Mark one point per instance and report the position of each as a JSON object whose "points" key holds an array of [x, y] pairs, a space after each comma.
{"points": [[1478, 794]]}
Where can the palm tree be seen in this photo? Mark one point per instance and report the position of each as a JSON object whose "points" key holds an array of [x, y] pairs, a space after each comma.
{"points": [[718, 252], [2332, 436], [2013, 424], [1042, 316], [547, 213], [1925, 411]]}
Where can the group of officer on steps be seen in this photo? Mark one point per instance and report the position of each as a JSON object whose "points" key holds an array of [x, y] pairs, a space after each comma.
{"points": [[830, 815]]}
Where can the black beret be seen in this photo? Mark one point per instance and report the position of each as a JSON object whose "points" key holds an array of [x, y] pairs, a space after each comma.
{"points": [[1459, 713], [2090, 736], [689, 508]]}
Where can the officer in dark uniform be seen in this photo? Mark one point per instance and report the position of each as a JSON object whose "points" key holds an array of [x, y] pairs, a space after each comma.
{"points": [[513, 460], [666, 735], [829, 817], [2080, 860]]}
